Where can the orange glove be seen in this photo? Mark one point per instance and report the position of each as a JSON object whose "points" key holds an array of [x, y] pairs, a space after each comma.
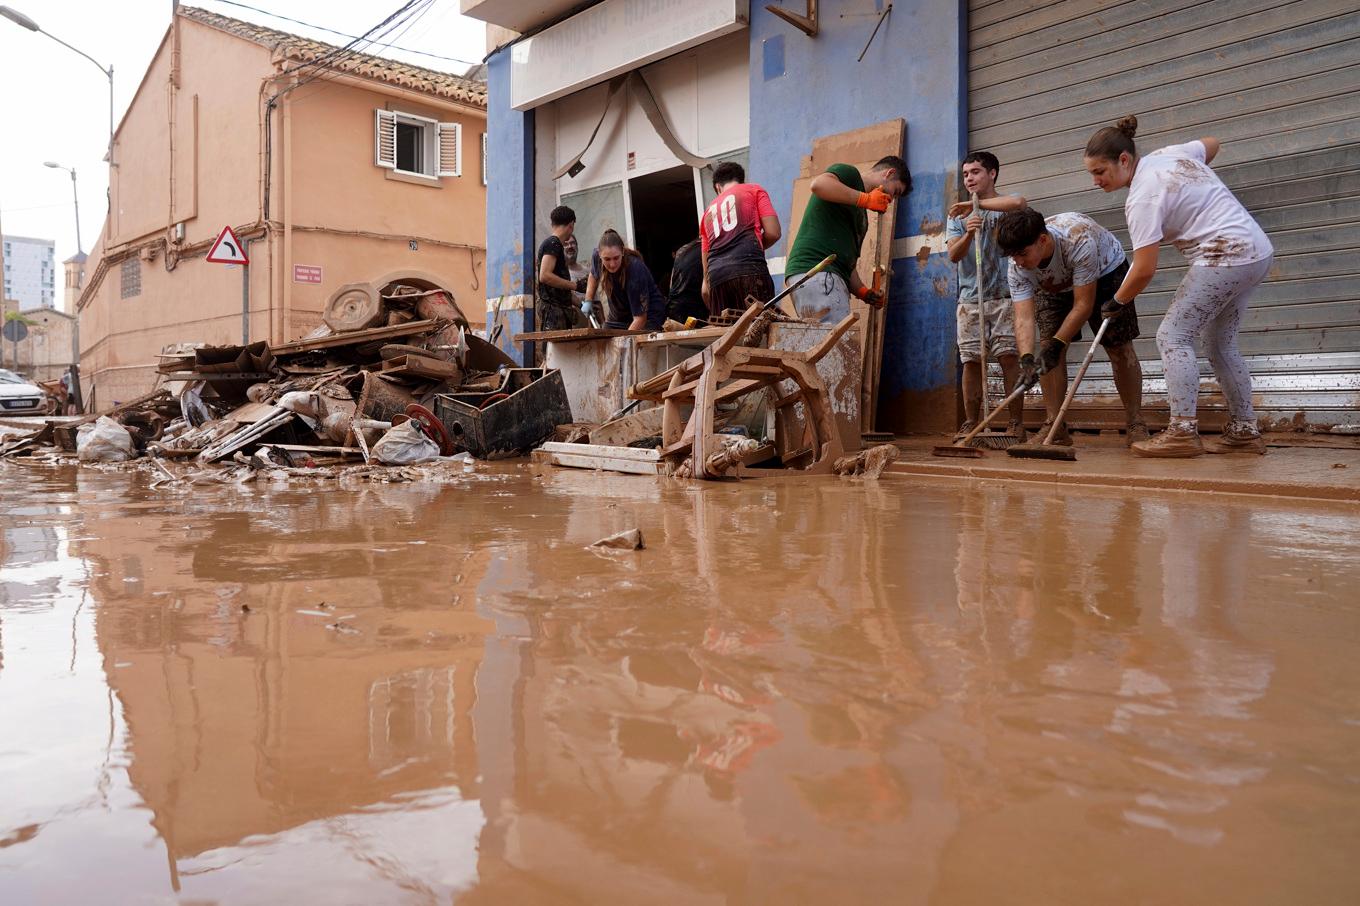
{"points": [[871, 296], [877, 200]]}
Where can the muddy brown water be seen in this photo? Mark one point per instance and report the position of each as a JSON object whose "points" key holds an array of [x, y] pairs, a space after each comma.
{"points": [[800, 692]]}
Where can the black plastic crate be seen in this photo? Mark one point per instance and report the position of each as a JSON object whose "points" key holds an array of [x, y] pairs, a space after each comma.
{"points": [[511, 420]]}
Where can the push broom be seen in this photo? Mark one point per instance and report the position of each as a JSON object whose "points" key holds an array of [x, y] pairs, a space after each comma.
{"points": [[1047, 449], [963, 449], [991, 440]]}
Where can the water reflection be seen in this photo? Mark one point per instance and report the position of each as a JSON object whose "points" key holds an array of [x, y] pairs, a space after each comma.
{"points": [[801, 691]]}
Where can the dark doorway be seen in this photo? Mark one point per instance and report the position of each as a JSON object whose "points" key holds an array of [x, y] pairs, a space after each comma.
{"points": [[665, 217]]}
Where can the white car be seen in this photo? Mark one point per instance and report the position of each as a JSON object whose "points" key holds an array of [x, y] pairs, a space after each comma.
{"points": [[20, 397]]}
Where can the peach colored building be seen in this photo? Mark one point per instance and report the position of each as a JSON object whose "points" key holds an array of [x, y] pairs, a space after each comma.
{"points": [[331, 167]]}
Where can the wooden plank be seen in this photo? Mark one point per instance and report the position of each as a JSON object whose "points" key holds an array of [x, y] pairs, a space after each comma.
{"points": [[623, 431], [355, 337], [219, 376], [636, 454], [595, 462], [573, 334], [699, 336]]}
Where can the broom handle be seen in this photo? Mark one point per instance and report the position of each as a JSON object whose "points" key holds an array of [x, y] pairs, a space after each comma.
{"points": [[1072, 391], [1001, 407], [982, 317]]}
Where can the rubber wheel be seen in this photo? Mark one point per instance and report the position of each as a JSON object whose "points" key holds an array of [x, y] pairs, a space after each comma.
{"points": [[432, 426]]}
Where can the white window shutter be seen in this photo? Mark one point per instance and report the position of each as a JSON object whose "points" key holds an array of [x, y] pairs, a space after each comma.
{"points": [[450, 149], [484, 174], [385, 138]]}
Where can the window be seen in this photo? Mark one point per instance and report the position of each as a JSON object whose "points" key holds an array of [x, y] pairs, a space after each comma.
{"points": [[131, 278], [417, 145], [484, 182]]}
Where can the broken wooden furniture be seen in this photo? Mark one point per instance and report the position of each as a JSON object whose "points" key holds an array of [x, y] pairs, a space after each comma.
{"points": [[726, 371]]}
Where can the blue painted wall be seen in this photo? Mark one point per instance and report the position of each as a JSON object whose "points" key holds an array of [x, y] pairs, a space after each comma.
{"points": [[509, 209], [802, 88]]}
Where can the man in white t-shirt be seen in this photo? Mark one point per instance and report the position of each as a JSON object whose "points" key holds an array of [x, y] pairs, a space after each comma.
{"points": [[1062, 269], [1174, 196]]}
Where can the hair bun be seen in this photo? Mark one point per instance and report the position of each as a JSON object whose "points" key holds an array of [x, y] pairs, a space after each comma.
{"points": [[1128, 125]]}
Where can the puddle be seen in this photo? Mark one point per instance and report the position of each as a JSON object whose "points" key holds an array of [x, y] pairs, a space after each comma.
{"points": [[799, 691]]}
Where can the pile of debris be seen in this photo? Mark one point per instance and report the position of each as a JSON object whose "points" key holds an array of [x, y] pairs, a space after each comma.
{"points": [[393, 376]]}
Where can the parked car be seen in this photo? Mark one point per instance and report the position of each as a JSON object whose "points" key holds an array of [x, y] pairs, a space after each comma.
{"points": [[20, 397]]}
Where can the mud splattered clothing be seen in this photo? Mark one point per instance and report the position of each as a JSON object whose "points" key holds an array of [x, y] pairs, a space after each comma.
{"points": [[1051, 309], [1084, 251], [1210, 304], [1175, 197], [995, 293]]}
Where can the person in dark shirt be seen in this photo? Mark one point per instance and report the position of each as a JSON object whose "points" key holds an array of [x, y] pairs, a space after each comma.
{"points": [[634, 301], [687, 276], [736, 230], [554, 307]]}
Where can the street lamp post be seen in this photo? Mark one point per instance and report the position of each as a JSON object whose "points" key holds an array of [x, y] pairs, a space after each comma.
{"points": [[75, 196], [19, 18]]}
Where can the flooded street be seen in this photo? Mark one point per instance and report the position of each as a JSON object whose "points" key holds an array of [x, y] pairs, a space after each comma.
{"points": [[801, 691]]}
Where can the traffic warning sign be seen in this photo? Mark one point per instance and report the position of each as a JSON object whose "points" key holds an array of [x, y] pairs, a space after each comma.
{"points": [[227, 249]]}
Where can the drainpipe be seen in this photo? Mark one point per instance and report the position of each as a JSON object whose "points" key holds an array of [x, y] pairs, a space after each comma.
{"points": [[245, 293]]}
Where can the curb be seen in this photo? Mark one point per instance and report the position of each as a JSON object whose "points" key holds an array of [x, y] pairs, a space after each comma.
{"points": [[1097, 479]]}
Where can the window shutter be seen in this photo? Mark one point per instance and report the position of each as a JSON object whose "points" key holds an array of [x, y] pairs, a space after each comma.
{"points": [[484, 182], [450, 149], [385, 138]]}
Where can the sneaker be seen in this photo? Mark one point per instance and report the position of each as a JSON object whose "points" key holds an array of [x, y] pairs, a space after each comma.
{"points": [[964, 429], [1060, 439], [1240, 440], [1136, 432], [1176, 443], [1016, 429]]}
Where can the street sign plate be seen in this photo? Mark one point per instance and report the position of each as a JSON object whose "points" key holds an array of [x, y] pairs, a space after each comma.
{"points": [[15, 331], [227, 249]]}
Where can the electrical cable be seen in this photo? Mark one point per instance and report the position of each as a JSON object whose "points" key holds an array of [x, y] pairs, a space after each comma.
{"points": [[423, 53]]}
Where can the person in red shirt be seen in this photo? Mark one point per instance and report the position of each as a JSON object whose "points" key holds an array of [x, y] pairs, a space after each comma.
{"points": [[735, 232]]}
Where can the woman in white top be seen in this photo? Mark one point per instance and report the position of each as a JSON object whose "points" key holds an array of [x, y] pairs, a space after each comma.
{"points": [[1175, 197]]}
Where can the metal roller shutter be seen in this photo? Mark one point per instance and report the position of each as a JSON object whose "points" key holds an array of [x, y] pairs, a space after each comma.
{"points": [[1278, 83]]}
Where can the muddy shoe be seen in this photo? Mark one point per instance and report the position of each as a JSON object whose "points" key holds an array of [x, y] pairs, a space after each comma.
{"points": [[1174, 443], [1016, 429], [1136, 432], [1239, 440], [964, 429], [1060, 438]]}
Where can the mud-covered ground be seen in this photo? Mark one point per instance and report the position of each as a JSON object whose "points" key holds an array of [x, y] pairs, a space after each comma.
{"points": [[821, 691]]}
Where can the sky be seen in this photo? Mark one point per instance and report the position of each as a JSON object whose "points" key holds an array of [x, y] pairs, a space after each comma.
{"points": [[54, 104]]}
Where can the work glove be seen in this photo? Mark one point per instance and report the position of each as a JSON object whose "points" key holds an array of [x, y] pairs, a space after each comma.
{"points": [[870, 296], [1050, 351], [1029, 370], [1112, 308], [876, 200], [581, 284]]}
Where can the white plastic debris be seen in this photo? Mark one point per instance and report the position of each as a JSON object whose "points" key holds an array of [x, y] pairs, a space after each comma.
{"points": [[104, 441], [405, 445]]}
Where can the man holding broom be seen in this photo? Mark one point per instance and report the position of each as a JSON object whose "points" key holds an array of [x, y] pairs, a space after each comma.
{"points": [[1062, 271]]}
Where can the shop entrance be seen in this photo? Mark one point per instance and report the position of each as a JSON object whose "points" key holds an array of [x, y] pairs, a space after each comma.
{"points": [[665, 217]]}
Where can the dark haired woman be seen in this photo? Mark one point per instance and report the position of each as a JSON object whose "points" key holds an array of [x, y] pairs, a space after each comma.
{"points": [[1175, 197], [634, 301]]}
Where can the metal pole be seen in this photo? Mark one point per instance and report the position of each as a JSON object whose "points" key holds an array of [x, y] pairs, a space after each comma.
{"points": [[75, 196], [245, 294]]}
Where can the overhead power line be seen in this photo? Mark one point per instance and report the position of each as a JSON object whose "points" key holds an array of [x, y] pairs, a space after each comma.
{"points": [[423, 53]]}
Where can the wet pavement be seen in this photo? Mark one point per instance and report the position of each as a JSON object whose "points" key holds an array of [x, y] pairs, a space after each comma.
{"points": [[802, 691]]}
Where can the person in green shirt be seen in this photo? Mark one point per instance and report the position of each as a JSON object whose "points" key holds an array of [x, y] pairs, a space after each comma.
{"points": [[835, 222]]}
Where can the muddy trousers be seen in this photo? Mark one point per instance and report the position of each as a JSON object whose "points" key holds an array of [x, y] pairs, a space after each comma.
{"points": [[1209, 305]]}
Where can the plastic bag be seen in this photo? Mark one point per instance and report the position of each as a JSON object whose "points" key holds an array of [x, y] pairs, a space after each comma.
{"points": [[405, 445], [104, 441]]}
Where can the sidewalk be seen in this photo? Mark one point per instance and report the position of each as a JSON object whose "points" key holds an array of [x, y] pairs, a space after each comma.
{"points": [[1296, 466]]}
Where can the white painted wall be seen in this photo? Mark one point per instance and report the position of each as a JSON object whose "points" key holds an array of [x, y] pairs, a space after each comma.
{"points": [[703, 92]]}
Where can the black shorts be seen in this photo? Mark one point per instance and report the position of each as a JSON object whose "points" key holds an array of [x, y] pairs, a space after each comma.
{"points": [[1051, 309], [732, 293]]}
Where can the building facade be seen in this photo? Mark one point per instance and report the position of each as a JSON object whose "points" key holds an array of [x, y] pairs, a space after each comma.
{"points": [[75, 279], [734, 81], [30, 272], [330, 168]]}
